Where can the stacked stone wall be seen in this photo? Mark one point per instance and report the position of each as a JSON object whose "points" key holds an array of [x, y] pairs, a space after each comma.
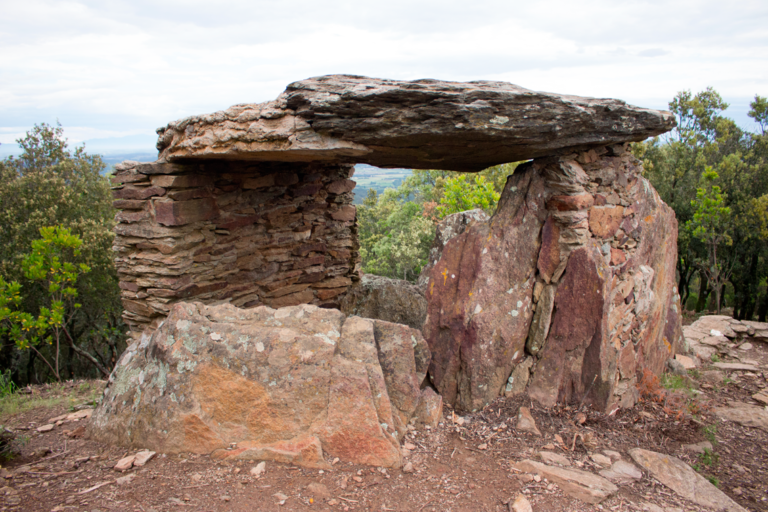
{"points": [[232, 232]]}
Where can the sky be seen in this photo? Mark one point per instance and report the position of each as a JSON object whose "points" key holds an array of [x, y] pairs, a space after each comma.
{"points": [[112, 71]]}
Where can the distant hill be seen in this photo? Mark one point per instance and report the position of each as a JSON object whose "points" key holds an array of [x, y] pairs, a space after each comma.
{"points": [[370, 177]]}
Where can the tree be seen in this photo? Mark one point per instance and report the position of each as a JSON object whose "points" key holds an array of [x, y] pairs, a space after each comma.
{"points": [[462, 193], [48, 263], [396, 228], [710, 225], [51, 185], [675, 165], [759, 112]]}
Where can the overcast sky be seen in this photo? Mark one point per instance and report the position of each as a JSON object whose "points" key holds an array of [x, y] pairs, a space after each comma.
{"points": [[114, 68]]}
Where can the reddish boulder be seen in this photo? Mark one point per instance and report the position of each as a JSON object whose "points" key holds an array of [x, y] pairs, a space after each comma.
{"points": [[605, 301], [480, 296]]}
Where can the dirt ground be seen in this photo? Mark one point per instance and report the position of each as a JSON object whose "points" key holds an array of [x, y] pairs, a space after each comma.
{"points": [[458, 467]]}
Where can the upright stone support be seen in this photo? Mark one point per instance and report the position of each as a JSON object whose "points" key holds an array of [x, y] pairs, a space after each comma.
{"points": [[232, 232], [586, 243]]}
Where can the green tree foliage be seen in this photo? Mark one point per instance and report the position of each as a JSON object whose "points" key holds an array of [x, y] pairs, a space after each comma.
{"points": [[711, 224], [463, 193], [396, 228], [48, 264], [51, 185], [708, 150]]}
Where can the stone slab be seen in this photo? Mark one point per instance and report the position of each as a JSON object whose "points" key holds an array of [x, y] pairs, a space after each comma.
{"points": [[422, 124], [681, 478], [578, 484]]}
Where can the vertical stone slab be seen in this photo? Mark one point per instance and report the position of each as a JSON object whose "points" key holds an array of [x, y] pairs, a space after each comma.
{"points": [[480, 297], [571, 356]]}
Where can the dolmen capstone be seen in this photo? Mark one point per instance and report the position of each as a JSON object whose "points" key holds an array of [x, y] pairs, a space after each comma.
{"points": [[237, 248]]}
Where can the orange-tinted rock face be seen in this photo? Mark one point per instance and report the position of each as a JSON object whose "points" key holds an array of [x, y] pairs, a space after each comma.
{"points": [[289, 385], [598, 261]]}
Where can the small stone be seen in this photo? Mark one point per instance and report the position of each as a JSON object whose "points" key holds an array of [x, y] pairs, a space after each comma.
{"points": [[357, 479], [536, 478], [46, 428], [676, 367], [698, 447], [554, 458], [280, 498], [745, 346], [600, 459], [258, 469], [333, 502], [143, 457], [525, 422], [761, 396], [125, 463], [79, 415], [687, 362], [589, 441], [622, 471], [123, 480], [408, 468], [318, 490], [614, 455], [225, 498], [521, 504], [483, 446], [580, 418], [409, 446]]}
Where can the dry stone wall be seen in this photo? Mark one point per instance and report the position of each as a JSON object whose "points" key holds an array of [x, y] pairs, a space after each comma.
{"points": [[232, 232]]}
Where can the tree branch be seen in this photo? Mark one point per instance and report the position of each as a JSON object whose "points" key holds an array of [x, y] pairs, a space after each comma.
{"points": [[85, 354]]}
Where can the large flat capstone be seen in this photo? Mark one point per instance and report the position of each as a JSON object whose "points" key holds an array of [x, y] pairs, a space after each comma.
{"points": [[294, 385], [423, 124]]}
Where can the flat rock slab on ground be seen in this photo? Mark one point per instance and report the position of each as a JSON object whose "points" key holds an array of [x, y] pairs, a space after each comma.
{"points": [[622, 471], [744, 414], [681, 478], [423, 124], [737, 367], [579, 484]]}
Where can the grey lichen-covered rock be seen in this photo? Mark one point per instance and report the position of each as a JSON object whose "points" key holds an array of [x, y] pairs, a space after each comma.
{"points": [[423, 124], [290, 385], [383, 298]]}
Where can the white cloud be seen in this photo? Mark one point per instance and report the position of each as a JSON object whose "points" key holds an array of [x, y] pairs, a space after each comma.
{"points": [[125, 67]]}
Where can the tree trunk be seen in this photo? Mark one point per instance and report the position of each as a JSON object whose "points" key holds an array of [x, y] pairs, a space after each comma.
{"points": [[31, 368], [704, 291], [85, 354], [762, 309]]}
